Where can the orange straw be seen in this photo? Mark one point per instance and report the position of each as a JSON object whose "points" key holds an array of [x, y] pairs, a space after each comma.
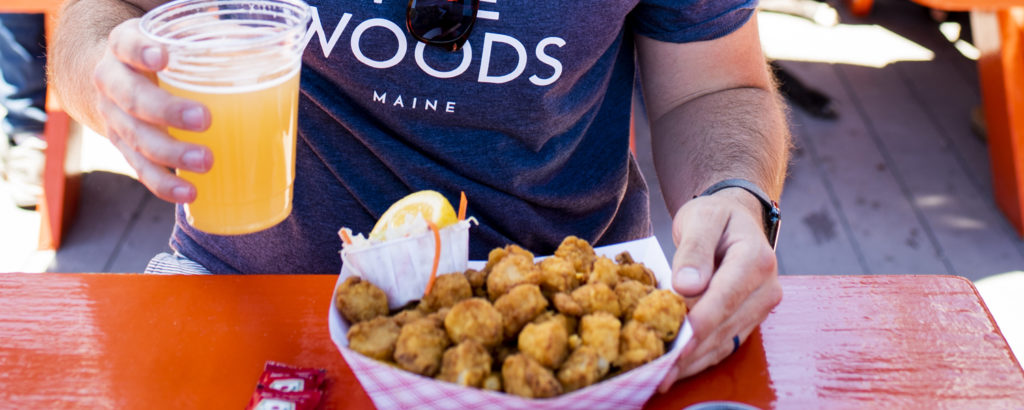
{"points": [[462, 205], [437, 257], [344, 237]]}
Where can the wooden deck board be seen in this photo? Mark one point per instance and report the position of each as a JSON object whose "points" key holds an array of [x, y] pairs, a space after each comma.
{"points": [[147, 234], [881, 220], [958, 221], [815, 236], [108, 203]]}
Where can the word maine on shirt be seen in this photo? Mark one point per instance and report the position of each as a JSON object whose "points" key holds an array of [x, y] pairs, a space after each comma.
{"points": [[485, 73]]}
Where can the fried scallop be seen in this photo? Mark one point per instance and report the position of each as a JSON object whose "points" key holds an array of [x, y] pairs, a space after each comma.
{"points": [[557, 275], [475, 319], [567, 305], [583, 368], [546, 342], [408, 316], [630, 269], [578, 252], [374, 338], [492, 382], [638, 345], [514, 269], [466, 364], [447, 291], [520, 306], [358, 300], [601, 331], [531, 329], [568, 322], [604, 271], [477, 281], [440, 315], [575, 342], [420, 346], [597, 297], [523, 376], [629, 293], [493, 257], [663, 311]]}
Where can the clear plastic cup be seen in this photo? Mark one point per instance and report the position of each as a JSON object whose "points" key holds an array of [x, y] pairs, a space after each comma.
{"points": [[241, 58]]}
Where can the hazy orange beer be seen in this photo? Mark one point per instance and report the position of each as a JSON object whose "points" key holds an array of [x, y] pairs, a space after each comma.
{"points": [[242, 60]]}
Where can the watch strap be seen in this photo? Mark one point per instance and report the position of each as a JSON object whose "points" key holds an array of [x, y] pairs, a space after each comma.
{"points": [[772, 216]]}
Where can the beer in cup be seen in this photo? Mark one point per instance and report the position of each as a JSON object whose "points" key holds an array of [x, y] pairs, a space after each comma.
{"points": [[240, 58]]}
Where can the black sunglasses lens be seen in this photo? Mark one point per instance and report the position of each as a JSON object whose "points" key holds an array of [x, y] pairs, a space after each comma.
{"points": [[441, 21]]}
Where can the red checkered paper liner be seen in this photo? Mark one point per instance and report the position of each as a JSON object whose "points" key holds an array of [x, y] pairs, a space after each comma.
{"points": [[392, 388]]}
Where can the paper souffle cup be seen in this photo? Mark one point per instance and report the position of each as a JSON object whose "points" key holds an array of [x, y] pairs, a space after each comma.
{"points": [[401, 267], [392, 388]]}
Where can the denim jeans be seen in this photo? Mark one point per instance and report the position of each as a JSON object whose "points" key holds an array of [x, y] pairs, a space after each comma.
{"points": [[22, 73]]}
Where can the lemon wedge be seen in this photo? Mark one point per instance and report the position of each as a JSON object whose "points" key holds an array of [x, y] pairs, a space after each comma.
{"points": [[431, 205]]}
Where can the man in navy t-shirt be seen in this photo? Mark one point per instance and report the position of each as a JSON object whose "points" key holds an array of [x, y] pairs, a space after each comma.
{"points": [[530, 117]]}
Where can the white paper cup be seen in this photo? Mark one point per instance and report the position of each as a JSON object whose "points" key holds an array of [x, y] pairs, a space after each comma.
{"points": [[401, 267]]}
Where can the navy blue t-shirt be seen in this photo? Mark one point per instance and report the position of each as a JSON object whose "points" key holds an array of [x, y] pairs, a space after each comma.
{"points": [[530, 118]]}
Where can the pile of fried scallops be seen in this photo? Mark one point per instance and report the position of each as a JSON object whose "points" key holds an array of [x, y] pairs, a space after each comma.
{"points": [[531, 329]]}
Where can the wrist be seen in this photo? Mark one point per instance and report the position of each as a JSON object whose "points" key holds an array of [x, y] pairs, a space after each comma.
{"points": [[770, 216], [747, 200]]}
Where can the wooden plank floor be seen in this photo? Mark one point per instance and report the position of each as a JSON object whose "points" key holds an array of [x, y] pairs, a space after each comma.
{"points": [[897, 184]]}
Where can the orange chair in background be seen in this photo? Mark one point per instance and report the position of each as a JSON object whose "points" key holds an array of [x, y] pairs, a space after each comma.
{"points": [[860, 8], [998, 30], [61, 179]]}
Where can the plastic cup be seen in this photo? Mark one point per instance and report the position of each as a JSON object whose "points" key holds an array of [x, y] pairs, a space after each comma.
{"points": [[241, 58]]}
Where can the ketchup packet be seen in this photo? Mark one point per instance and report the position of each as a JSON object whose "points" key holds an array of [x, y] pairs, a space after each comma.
{"points": [[285, 378], [284, 387], [269, 399]]}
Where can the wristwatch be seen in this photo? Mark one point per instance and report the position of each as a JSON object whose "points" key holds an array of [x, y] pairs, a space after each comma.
{"points": [[772, 215]]}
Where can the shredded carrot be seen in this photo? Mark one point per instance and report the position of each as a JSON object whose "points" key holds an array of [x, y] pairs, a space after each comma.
{"points": [[345, 237], [437, 257], [462, 205]]}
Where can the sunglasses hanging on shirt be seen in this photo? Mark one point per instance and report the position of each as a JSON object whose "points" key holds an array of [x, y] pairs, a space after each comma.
{"points": [[442, 23]]}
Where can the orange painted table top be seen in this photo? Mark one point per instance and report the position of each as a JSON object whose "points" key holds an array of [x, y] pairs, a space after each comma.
{"points": [[139, 341], [968, 5]]}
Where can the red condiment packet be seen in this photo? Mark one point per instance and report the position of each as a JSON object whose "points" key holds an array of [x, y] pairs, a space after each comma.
{"points": [[285, 378], [268, 399]]}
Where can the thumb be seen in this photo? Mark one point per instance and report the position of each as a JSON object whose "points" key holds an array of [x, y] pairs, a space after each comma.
{"points": [[698, 227]]}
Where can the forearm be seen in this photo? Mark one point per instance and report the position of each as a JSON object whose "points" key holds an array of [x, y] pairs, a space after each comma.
{"points": [[734, 133], [81, 41]]}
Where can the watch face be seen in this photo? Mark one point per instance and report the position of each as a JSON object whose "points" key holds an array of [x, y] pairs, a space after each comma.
{"points": [[772, 221]]}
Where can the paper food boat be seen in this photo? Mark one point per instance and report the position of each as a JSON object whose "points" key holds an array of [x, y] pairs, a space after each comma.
{"points": [[390, 387]]}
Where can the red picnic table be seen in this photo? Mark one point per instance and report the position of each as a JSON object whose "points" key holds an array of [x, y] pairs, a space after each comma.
{"points": [[143, 341]]}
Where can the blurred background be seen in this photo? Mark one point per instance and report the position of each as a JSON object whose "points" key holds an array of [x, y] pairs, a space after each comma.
{"points": [[890, 171]]}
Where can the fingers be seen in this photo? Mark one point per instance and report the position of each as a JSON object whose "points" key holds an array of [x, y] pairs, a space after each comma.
{"points": [[134, 48], [159, 180], [154, 143], [718, 345], [720, 235], [704, 352], [694, 227], [136, 95], [149, 150], [742, 272], [137, 112]]}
